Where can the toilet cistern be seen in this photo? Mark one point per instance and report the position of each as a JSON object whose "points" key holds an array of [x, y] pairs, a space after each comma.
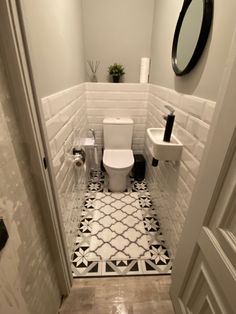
{"points": [[118, 156], [169, 123]]}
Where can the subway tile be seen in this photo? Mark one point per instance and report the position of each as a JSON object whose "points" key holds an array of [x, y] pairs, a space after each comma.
{"points": [[53, 126], [61, 137], [158, 103], [198, 128], [58, 161], [118, 96], [184, 208], [62, 186], [111, 112], [185, 138], [164, 107], [68, 112], [152, 99], [155, 111], [139, 133], [174, 98], [184, 190], [181, 117], [137, 141], [198, 151], [46, 108], [64, 169], [73, 93], [53, 148], [145, 104], [139, 127], [69, 107], [96, 126], [111, 104], [208, 112], [193, 105], [191, 162], [190, 181], [183, 171], [57, 102], [159, 91], [117, 87]]}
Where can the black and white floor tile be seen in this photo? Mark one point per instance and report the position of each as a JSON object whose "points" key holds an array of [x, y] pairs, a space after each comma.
{"points": [[119, 233]]}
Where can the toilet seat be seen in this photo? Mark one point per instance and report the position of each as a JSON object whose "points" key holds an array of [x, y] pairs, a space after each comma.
{"points": [[118, 158]]}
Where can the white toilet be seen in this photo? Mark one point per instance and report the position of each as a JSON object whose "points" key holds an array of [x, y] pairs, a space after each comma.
{"points": [[118, 158]]}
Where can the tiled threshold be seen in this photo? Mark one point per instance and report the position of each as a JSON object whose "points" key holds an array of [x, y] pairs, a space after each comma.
{"points": [[152, 259]]}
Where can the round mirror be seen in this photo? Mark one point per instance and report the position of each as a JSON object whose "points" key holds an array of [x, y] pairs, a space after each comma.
{"points": [[191, 34]]}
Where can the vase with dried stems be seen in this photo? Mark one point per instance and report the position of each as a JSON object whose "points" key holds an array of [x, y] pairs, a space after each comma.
{"points": [[93, 65]]}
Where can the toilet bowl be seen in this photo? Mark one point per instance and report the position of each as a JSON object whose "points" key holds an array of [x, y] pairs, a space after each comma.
{"points": [[118, 164], [118, 157]]}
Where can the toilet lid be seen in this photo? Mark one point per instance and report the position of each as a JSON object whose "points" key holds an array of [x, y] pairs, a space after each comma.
{"points": [[118, 158]]}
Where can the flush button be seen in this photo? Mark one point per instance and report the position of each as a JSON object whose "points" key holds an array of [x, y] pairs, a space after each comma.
{"points": [[3, 234]]}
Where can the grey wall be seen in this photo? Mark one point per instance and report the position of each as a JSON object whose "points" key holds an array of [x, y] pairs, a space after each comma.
{"points": [[204, 80], [55, 37], [27, 277], [118, 31]]}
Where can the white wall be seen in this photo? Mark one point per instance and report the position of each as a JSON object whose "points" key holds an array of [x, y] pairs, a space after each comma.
{"points": [[118, 31], [204, 79], [55, 38], [118, 100], [66, 122], [171, 184]]}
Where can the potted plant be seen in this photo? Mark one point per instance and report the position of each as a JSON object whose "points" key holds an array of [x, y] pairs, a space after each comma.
{"points": [[116, 71]]}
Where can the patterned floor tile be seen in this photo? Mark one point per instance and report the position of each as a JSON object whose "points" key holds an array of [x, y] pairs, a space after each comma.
{"points": [[89, 202], [107, 228], [121, 268], [145, 202], [118, 227], [151, 224]]}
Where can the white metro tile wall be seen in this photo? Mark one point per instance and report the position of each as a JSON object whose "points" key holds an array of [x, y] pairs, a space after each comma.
{"points": [[65, 112], [171, 184], [118, 100]]}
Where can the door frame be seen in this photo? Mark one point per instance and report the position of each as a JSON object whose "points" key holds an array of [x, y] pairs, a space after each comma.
{"points": [[26, 102], [215, 162]]}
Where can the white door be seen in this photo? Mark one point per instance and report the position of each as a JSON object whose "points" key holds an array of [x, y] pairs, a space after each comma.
{"points": [[204, 275]]}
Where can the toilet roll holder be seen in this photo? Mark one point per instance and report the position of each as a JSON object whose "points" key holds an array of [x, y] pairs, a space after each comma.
{"points": [[79, 156]]}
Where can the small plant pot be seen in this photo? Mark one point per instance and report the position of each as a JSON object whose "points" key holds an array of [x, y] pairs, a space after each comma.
{"points": [[116, 79]]}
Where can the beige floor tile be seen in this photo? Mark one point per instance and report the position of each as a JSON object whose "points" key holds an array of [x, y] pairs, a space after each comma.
{"points": [[82, 309], [115, 308], [120, 295], [79, 297], [153, 307]]}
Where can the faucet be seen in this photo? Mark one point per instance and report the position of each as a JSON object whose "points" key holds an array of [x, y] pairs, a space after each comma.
{"points": [[169, 123], [93, 134], [171, 109]]}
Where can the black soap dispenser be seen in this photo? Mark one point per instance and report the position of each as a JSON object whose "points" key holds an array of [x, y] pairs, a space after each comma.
{"points": [[170, 118], [169, 126]]}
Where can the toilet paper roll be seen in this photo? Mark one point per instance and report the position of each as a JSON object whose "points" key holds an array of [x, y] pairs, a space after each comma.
{"points": [[78, 161], [144, 70], [80, 166]]}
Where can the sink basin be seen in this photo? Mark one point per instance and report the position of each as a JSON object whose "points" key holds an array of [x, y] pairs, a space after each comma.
{"points": [[161, 150]]}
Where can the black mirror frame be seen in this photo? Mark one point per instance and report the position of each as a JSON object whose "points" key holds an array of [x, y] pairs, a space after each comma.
{"points": [[202, 39]]}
